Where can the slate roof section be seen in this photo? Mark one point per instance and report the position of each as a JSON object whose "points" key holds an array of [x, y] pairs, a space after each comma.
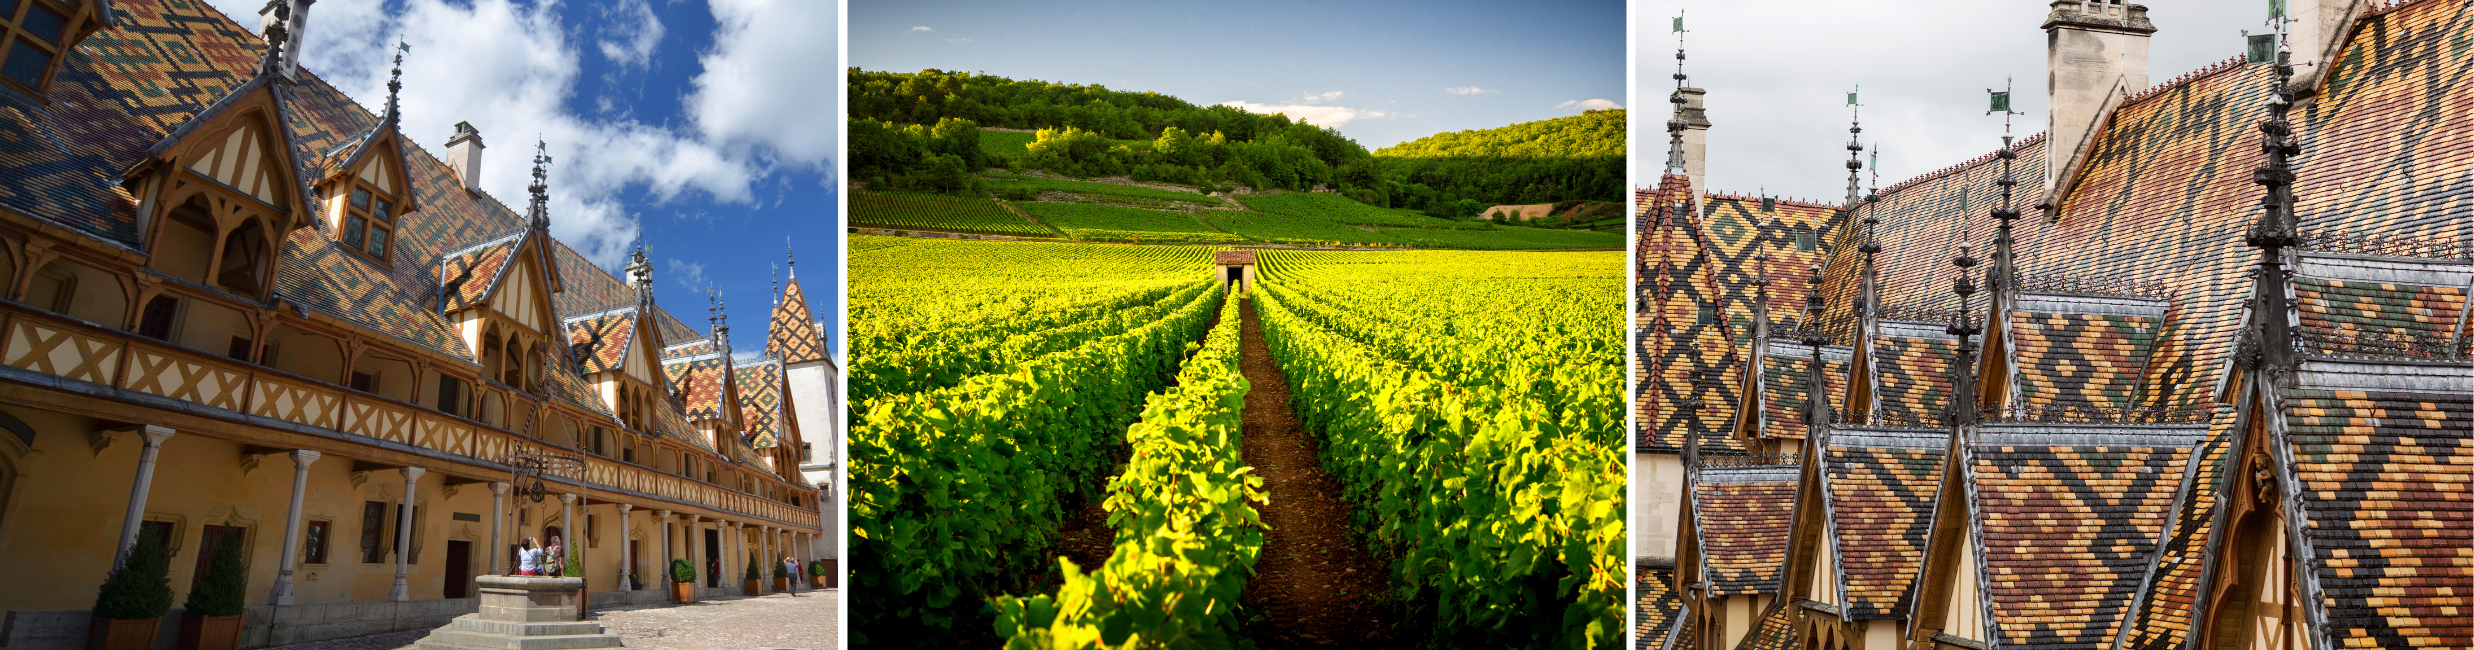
{"points": [[1880, 487], [2068, 531], [2387, 484], [1786, 379], [1656, 606], [1743, 515], [760, 402]]}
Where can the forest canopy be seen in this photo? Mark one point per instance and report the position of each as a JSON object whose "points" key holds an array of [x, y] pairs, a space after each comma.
{"points": [[920, 131]]}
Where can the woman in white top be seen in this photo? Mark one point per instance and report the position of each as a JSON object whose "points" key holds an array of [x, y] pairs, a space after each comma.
{"points": [[528, 557]]}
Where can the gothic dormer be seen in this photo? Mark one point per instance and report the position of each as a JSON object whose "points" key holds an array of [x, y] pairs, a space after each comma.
{"points": [[619, 353], [219, 193], [363, 185], [35, 35]]}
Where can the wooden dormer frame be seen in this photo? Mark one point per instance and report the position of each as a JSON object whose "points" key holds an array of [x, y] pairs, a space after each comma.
{"points": [[225, 167], [377, 166]]}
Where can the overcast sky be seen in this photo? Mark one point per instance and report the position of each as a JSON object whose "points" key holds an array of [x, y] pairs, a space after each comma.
{"points": [[1778, 74], [707, 124], [1380, 72]]}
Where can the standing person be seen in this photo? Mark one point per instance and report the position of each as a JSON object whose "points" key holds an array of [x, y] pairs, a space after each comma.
{"points": [[528, 557], [554, 558], [791, 565]]}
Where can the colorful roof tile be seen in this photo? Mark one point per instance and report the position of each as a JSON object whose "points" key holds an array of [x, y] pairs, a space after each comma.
{"points": [[2068, 359], [1785, 381], [1742, 515], [1879, 487], [2169, 603], [601, 342], [699, 383], [1656, 606], [2068, 530], [793, 335], [2387, 485], [467, 277], [1775, 630], [760, 402]]}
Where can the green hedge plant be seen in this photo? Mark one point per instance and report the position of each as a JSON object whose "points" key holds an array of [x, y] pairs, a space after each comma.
{"points": [[682, 571], [224, 589], [141, 588]]}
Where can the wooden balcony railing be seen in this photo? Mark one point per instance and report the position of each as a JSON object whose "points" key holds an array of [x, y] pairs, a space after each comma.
{"points": [[50, 344]]}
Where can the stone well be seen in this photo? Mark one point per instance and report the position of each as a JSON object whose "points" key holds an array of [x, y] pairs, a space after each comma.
{"points": [[523, 613]]}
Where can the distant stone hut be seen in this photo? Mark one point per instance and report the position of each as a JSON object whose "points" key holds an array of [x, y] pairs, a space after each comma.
{"points": [[1234, 267]]}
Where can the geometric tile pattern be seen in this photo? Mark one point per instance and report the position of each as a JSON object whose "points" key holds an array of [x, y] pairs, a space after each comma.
{"points": [[2080, 359], [760, 402], [2379, 308], [2067, 535], [699, 382], [469, 276], [601, 342], [2385, 483], [1913, 377], [1743, 532], [1775, 631], [793, 336], [1786, 380], [1655, 605], [2167, 611], [1882, 501]]}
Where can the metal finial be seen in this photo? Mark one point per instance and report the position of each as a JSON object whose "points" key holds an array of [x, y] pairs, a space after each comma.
{"points": [[1855, 148], [1675, 122], [540, 207], [395, 82]]}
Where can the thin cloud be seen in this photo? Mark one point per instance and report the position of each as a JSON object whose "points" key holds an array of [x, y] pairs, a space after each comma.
{"points": [[1471, 90], [1323, 116], [922, 28], [1323, 97], [1590, 104], [960, 40], [637, 48], [688, 274]]}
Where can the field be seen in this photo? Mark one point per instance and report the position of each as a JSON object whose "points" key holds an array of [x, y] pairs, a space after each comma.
{"points": [[945, 213], [1286, 229], [1508, 238], [1087, 187], [1468, 403], [1094, 222], [1336, 208]]}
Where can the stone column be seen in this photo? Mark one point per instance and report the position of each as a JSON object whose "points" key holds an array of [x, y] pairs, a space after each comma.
{"points": [[568, 528], [292, 528], [695, 533], [627, 561], [498, 519], [153, 435], [764, 545], [663, 516], [402, 591]]}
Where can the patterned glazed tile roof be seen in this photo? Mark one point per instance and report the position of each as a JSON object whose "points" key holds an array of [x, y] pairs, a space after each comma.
{"points": [[760, 402], [2167, 608], [793, 336], [1656, 606], [2387, 483], [1743, 521], [670, 422], [601, 342], [2080, 359], [1785, 381], [590, 290], [699, 382], [2381, 308], [1686, 354], [1880, 501], [1911, 377], [1775, 631], [2067, 533], [467, 277]]}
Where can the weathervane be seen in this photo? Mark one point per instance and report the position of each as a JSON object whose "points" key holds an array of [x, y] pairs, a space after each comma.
{"points": [[1675, 123]]}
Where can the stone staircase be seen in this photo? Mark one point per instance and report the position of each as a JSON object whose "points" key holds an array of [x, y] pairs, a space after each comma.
{"points": [[523, 613]]}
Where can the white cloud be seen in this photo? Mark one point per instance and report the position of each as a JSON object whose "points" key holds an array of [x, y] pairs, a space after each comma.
{"points": [[960, 40], [1470, 90], [1322, 97], [746, 100], [688, 274], [1324, 116], [922, 28], [647, 32], [1590, 104]]}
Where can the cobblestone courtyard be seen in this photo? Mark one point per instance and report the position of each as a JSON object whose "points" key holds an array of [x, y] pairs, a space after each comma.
{"points": [[810, 621]]}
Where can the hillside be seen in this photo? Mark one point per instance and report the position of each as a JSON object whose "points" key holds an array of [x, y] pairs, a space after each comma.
{"points": [[1594, 134]]}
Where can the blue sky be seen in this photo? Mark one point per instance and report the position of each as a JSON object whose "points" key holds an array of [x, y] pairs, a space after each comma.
{"points": [[695, 121], [1382, 73], [1778, 72]]}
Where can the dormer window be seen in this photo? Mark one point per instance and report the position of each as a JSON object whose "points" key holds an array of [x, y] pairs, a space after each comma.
{"points": [[30, 40], [371, 199], [370, 220]]}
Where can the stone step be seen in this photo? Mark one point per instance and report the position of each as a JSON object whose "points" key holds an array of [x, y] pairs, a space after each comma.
{"points": [[464, 639], [474, 623]]}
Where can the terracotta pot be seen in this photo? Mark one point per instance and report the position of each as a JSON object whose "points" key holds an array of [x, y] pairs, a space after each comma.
{"points": [[755, 587], [684, 592], [781, 585], [817, 582], [122, 634], [210, 632]]}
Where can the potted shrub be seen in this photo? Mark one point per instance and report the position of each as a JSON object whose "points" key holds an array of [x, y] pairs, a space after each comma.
{"points": [[211, 619], [816, 573], [584, 596], [755, 582], [682, 581], [130, 610], [781, 577]]}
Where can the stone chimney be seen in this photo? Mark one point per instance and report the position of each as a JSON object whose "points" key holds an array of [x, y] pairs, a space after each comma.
{"points": [[464, 155], [1696, 139], [291, 64], [2094, 50], [2317, 31]]}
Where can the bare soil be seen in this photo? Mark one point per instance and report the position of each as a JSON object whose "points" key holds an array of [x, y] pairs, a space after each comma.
{"points": [[1314, 586]]}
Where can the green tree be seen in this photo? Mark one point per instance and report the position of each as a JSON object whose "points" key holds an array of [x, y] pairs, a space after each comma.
{"points": [[224, 589], [141, 588]]}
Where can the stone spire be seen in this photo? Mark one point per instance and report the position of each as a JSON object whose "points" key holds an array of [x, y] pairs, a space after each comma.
{"points": [[538, 212], [1855, 151], [2272, 334]]}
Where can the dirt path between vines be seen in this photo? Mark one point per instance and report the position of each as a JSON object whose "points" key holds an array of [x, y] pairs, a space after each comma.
{"points": [[1313, 586]]}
